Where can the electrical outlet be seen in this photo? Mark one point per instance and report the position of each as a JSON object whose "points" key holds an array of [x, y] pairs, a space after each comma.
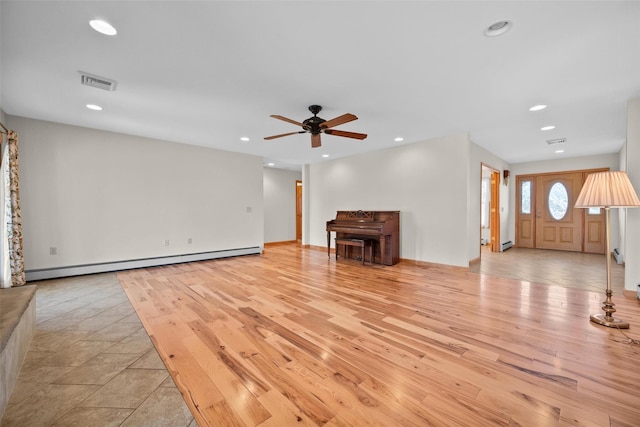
{"points": [[249, 209], [189, 241], [53, 250], [166, 243]]}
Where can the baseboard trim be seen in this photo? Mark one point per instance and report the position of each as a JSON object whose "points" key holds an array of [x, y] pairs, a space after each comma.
{"points": [[402, 260], [283, 242], [433, 264], [317, 248], [79, 270], [474, 261]]}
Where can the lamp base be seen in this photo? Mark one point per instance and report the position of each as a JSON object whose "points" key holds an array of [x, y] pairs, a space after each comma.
{"points": [[601, 319]]}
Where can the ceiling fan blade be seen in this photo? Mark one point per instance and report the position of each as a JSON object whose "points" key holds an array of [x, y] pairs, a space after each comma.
{"points": [[345, 118], [315, 140], [275, 116], [281, 135], [353, 135]]}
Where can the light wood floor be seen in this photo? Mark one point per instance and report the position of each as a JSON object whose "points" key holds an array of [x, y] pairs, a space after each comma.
{"points": [[558, 268], [293, 338]]}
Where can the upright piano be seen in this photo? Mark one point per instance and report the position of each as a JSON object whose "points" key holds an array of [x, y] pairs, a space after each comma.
{"points": [[381, 226]]}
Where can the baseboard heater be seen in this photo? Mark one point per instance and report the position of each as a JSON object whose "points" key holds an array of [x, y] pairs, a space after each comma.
{"points": [[79, 270], [617, 255], [506, 245]]}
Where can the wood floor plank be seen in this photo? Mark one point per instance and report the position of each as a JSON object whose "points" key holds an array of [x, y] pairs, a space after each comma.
{"points": [[293, 338], [231, 381], [199, 392], [458, 410], [283, 411]]}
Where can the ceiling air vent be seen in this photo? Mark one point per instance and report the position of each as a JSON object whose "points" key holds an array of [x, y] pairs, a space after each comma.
{"points": [[556, 141], [97, 81]]}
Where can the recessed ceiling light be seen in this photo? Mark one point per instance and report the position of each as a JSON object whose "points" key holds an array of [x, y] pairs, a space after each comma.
{"points": [[498, 28], [559, 151], [547, 127], [94, 107], [399, 139], [325, 155], [271, 164], [244, 138], [103, 27], [538, 107]]}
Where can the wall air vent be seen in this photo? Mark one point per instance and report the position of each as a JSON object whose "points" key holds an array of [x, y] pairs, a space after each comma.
{"points": [[556, 141], [97, 81]]}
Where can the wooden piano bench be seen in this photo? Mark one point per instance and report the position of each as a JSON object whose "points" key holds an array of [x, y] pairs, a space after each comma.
{"points": [[362, 243]]}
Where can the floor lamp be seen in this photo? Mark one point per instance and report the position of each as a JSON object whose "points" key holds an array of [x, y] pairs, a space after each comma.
{"points": [[608, 190]]}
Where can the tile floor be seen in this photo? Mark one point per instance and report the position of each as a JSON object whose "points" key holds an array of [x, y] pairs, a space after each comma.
{"points": [[91, 363]]}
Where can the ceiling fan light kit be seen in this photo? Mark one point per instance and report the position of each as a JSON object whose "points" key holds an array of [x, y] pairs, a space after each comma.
{"points": [[316, 125]]}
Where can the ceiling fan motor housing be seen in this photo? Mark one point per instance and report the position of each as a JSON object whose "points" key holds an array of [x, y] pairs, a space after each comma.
{"points": [[312, 124]]}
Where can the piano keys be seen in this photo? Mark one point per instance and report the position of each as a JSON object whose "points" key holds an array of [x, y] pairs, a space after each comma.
{"points": [[381, 226]]}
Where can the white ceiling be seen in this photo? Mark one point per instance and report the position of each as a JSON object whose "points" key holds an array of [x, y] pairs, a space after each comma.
{"points": [[209, 72]]}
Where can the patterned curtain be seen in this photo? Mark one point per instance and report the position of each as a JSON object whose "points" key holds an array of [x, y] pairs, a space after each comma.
{"points": [[5, 213], [16, 257]]}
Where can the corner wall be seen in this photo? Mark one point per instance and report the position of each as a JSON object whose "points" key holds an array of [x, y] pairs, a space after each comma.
{"points": [[480, 155], [622, 213], [1, 111], [101, 197], [632, 240]]}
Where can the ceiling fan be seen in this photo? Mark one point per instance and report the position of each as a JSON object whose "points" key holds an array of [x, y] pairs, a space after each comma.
{"points": [[316, 125]]}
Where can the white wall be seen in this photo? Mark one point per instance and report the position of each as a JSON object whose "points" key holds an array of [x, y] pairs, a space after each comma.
{"points": [[280, 204], [1, 112], [567, 164], [306, 205], [563, 164], [632, 255], [102, 197], [427, 181], [621, 213]]}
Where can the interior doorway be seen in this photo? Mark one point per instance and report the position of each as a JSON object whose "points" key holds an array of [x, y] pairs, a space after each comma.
{"points": [[494, 211], [298, 211], [490, 208]]}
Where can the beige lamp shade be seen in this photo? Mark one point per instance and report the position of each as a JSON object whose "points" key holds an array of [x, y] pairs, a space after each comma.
{"points": [[607, 189]]}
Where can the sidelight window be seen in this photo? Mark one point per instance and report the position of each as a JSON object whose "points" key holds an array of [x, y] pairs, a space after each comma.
{"points": [[484, 204], [525, 197]]}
